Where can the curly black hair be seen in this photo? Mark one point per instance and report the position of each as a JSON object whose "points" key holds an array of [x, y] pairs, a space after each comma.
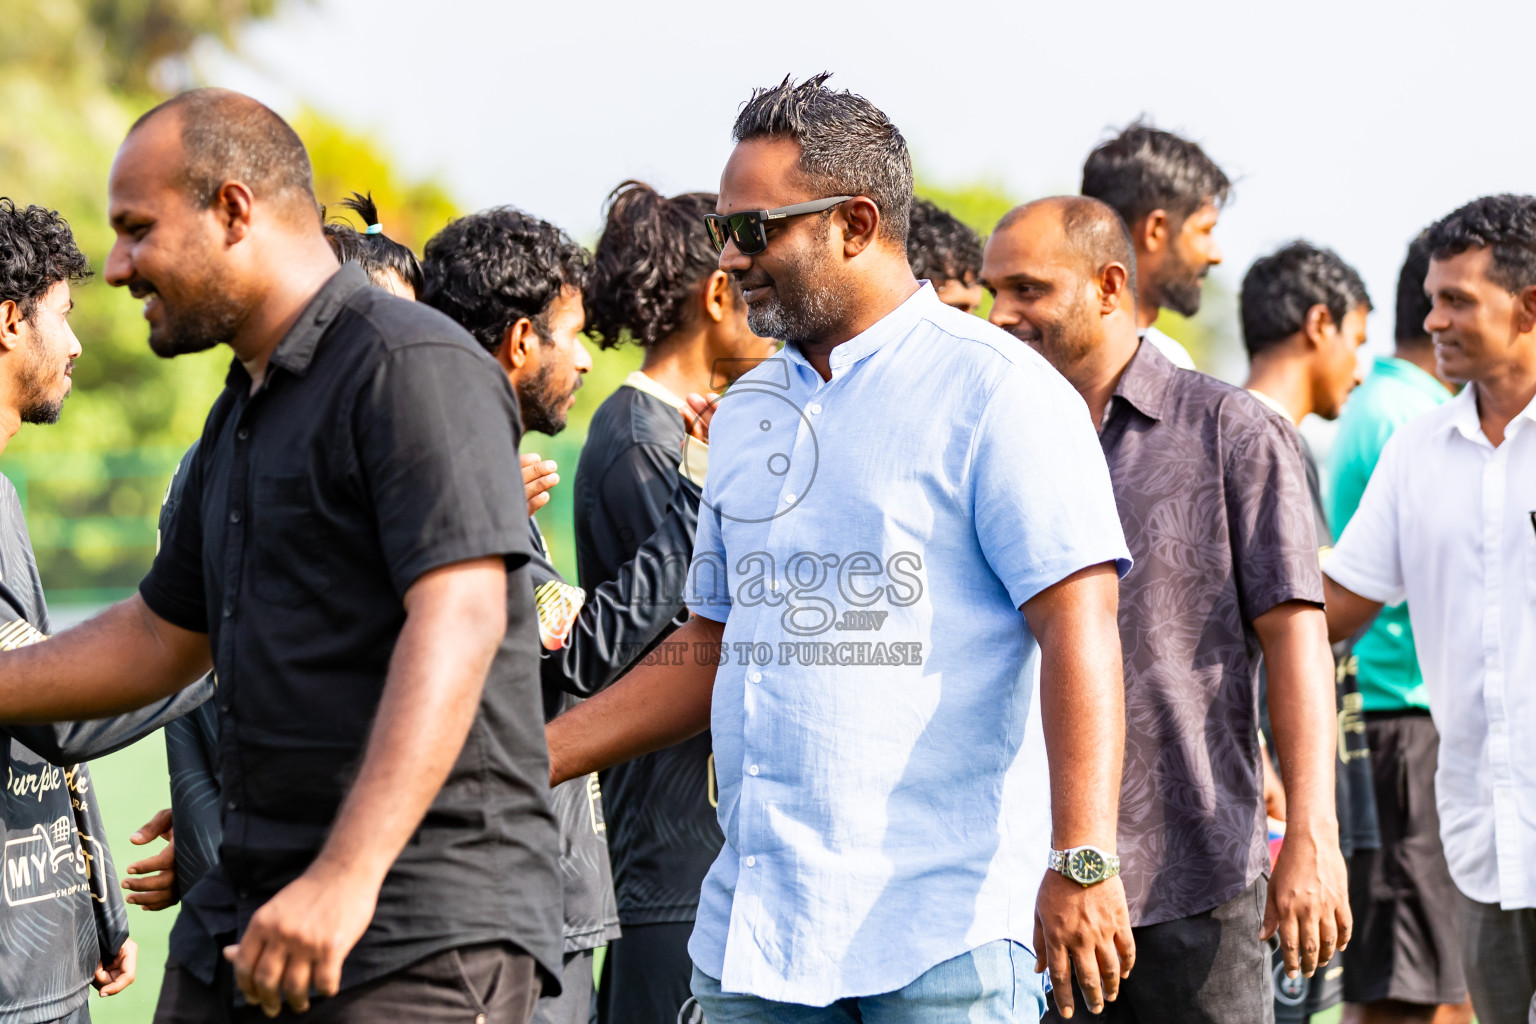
{"points": [[1279, 289], [376, 253], [37, 251], [493, 268], [847, 146], [1506, 224], [1144, 169], [940, 248], [653, 253]]}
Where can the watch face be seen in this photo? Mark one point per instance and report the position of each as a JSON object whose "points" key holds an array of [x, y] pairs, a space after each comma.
{"points": [[1087, 866]]}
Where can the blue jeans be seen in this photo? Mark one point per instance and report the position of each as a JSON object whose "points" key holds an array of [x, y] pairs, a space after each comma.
{"points": [[993, 984]]}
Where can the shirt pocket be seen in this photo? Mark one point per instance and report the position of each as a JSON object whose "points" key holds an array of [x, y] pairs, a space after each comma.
{"points": [[292, 565]]}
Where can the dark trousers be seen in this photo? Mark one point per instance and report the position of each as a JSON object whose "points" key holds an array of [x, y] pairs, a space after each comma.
{"points": [[487, 984], [1498, 950], [1207, 969], [646, 974]]}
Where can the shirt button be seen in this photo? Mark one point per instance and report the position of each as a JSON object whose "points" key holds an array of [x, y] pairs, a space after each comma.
{"points": [[225, 706], [815, 408], [243, 434], [231, 805], [751, 862], [789, 499], [229, 609], [234, 516], [479, 1018], [752, 770], [756, 677]]}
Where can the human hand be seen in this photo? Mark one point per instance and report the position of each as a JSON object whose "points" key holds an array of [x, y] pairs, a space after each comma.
{"points": [[110, 979], [698, 410], [539, 478], [156, 890], [1308, 902], [297, 940], [1086, 929]]}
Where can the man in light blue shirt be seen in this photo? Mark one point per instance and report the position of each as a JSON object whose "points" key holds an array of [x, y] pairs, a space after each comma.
{"points": [[885, 496]]}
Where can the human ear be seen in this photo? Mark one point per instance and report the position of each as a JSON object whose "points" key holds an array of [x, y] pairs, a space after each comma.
{"points": [[1525, 310], [861, 222], [1152, 233], [10, 325], [1316, 326], [1113, 281], [232, 205], [715, 297], [516, 348]]}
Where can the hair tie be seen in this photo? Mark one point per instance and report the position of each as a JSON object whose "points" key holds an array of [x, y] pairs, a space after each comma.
{"points": [[374, 229]]}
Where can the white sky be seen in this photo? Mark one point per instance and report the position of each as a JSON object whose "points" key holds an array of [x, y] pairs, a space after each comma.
{"points": [[1350, 124]]}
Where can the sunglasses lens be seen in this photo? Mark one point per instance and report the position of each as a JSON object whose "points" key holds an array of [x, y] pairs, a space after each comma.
{"points": [[717, 231], [748, 232]]}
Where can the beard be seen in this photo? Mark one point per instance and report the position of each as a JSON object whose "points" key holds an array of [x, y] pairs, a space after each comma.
{"points": [[543, 402], [1064, 342], [1180, 290], [41, 394], [211, 314], [804, 306]]}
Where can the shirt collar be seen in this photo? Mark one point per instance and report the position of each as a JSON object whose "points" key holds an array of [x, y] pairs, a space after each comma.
{"points": [[297, 349], [895, 325], [1145, 380], [1402, 370], [1464, 419], [640, 382]]}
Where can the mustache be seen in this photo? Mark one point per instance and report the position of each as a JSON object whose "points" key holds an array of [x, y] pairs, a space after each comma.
{"points": [[141, 289], [1026, 333], [749, 279]]}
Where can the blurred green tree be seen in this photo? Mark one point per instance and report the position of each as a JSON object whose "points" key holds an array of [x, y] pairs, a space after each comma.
{"points": [[67, 97]]}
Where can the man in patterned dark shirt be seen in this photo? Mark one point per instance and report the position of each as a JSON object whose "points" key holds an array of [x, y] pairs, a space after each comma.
{"points": [[1212, 495]]}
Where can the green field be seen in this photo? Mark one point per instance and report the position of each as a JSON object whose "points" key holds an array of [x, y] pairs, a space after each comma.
{"points": [[132, 785]]}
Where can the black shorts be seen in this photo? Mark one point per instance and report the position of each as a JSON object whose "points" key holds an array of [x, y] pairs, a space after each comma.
{"points": [[645, 975], [1207, 969], [1405, 945], [495, 983]]}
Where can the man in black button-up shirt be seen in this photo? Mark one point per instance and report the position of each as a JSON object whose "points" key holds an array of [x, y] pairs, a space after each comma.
{"points": [[357, 578]]}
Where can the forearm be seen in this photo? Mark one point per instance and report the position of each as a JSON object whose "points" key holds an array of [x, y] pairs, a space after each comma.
{"points": [[1348, 613], [653, 706], [66, 743], [121, 660], [1082, 708], [1302, 713], [430, 699]]}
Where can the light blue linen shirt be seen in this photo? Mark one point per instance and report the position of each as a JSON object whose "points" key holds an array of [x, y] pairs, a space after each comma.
{"points": [[867, 542]]}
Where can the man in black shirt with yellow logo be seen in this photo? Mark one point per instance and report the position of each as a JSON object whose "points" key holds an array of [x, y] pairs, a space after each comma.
{"points": [[514, 282]]}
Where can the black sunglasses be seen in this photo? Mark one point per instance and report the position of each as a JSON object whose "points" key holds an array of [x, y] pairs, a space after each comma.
{"points": [[749, 230]]}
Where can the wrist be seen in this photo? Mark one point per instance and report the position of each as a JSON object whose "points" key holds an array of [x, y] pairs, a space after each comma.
{"points": [[355, 871]]}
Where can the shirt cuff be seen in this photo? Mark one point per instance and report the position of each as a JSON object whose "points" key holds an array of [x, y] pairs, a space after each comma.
{"points": [[695, 462], [1352, 579]]}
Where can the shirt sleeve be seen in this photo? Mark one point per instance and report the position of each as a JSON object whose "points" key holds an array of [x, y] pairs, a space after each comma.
{"points": [[436, 433], [1269, 510], [174, 588], [1043, 503], [1367, 558]]}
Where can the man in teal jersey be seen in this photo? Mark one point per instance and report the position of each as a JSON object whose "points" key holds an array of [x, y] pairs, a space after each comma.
{"points": [[1405, 964]]}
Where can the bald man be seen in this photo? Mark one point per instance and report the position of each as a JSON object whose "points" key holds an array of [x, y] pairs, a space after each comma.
{"points": [[1212, 496], [358, 584]]}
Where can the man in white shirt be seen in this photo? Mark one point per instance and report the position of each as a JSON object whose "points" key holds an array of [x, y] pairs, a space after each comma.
{"points": [[1448, 521], [1169, 193]]}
